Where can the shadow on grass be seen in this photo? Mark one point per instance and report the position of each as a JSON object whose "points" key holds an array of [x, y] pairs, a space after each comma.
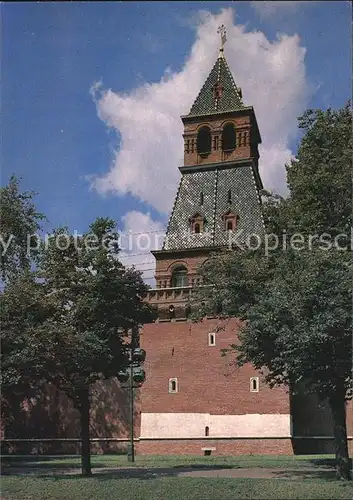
{"points": [[326, 462], [11, 459], [153, 474], [146, 473], [111, 472], [68, 466], [6, 467], [51, 462]]}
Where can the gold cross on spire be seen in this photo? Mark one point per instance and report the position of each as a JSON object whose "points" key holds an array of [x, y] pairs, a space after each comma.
{"points": [[223, 33]]}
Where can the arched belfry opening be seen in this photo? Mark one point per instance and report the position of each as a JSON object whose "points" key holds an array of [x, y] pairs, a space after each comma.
{"points": [[203, 143], [228, 137], [180, 276]]}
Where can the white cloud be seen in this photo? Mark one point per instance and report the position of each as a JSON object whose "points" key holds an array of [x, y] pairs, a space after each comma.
{"points": [[269, 9], [139, 235], [272, 76]]}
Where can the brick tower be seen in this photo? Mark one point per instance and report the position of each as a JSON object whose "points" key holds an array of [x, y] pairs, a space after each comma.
{"points": [[192, 400]]}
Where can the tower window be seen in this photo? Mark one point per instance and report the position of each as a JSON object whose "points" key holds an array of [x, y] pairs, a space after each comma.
{"points": [[197, 222], [229, 196], [254, 384], [228, 137], [207, 431], [204, 141], [173, 385], [211, 339], [180, 277], [230, 220], [201, 198]]}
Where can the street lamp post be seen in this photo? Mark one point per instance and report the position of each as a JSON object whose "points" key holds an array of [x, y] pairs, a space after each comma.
{"points": [[131, 387], [135, 375]]}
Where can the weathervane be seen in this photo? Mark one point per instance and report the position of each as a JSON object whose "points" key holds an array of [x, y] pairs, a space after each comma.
{"points": [[222, 31]]}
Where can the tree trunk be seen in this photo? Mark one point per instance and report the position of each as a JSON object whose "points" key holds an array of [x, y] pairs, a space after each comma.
{"points": [[338, 409], [85, 444]]}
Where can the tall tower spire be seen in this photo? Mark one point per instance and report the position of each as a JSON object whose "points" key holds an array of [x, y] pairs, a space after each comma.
{"points": [[218, 195], [219, 93]]}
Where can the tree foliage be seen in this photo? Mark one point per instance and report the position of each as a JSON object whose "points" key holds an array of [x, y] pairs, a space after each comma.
{"points": [[66, 321], [96, 300], [320, 178], [19, 220]]}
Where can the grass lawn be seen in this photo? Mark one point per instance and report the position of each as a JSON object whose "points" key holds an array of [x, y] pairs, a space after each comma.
{"points": [[242, 461], [165, 488], [41, 484]]}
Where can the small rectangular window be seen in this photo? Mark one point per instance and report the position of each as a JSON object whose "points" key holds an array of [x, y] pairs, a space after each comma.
{"points": [[173, 385], [211, 339], [254, 384]]}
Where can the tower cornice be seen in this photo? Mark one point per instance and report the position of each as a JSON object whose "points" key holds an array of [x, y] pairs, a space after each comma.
{"points": [[230, 112], [217, 165]]}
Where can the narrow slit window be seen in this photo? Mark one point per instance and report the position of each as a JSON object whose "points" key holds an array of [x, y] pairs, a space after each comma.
{"points": [[229, 196], [216, 143], [201, 198], [173, 385], [211, 339], [207, 431], [254, 384]]}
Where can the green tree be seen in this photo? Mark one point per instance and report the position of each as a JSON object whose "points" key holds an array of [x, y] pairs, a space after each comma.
{"points": [[19, 220], [297, 304], [22, 371], [96, 300], [87, 301], [320, 178]]}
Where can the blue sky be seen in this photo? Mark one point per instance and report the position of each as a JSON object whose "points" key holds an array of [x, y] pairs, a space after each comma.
{"points": [[52, 54]]}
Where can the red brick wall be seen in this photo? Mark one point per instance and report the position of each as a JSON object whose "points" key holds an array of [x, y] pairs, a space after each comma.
{"points": [[206, 382], [238, 446], [223, 447]]}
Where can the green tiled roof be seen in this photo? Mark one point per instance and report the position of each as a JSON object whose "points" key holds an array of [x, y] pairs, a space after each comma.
{"points": [[214, 184], [230, 100]]}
